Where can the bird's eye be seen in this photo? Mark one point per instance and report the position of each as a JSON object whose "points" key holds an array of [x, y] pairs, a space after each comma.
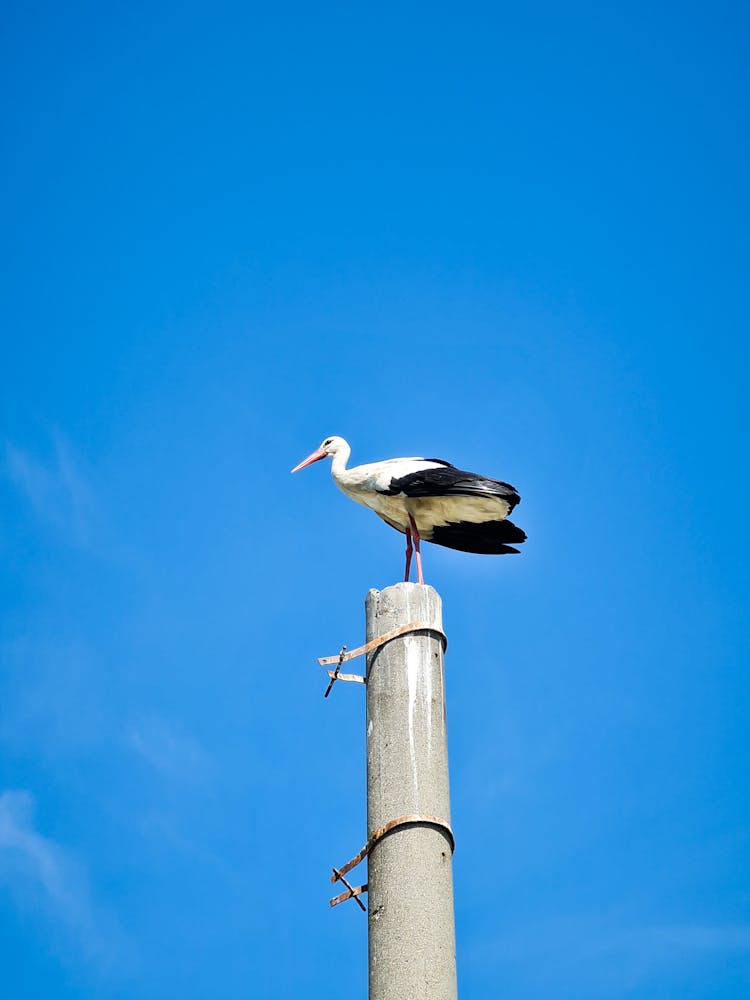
{"points": [[326, 443]]}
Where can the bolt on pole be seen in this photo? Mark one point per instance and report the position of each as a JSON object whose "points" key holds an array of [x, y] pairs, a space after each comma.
{"points": [[411, 932]]}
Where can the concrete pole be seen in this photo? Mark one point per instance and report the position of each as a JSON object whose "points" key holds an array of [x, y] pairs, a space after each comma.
{"points": [[412, 947]]}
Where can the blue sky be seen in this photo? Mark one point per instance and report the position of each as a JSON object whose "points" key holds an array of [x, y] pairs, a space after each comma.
{"points": [[511, 236]]}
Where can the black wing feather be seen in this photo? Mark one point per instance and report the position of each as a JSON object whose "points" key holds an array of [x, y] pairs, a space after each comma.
{"points": [[490, 537], [450, 481]]}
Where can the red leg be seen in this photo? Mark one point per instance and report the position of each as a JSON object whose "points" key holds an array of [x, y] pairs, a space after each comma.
{"points": [[408, 555], [415, 533]]}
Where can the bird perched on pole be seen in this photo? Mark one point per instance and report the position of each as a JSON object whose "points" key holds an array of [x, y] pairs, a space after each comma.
{"points": [[428, 499]]}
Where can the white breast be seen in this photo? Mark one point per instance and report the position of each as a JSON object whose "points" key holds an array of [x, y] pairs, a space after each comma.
{"points": [[363, 484]]}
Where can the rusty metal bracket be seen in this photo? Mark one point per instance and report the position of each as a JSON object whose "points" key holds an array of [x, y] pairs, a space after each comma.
{"points": [[352, 892], [412, 819], [335, 675], [343, 657]]}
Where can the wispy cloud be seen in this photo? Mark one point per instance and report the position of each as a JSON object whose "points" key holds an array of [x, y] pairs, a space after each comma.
{"points": [[172, 752], [45, 879], [22, 849], [56, 489]]}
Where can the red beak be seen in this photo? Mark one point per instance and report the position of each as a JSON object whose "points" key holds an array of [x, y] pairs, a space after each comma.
{"points": [[315, 457]]}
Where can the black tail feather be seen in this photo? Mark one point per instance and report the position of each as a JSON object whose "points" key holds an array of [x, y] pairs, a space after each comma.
{"points": [[488, 538]]}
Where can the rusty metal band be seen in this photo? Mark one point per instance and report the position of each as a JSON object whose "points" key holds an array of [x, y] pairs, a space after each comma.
{"points": [[408, 820], [394, 633], [352, 892]]}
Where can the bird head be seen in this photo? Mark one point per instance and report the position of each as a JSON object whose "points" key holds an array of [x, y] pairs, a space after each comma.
{"points": [[330, 447]]}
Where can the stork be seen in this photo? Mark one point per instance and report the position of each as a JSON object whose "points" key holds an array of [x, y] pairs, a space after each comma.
{"points": [[428, 500]]}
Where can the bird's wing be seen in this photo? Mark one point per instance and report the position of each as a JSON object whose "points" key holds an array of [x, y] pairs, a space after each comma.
{"points": [[446, 480]]}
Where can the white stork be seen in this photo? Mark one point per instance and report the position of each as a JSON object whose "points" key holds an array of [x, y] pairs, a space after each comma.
{"points": [[427, 498]]}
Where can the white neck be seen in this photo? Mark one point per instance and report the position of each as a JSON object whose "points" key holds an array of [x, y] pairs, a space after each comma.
{"points": [[338, 465]]}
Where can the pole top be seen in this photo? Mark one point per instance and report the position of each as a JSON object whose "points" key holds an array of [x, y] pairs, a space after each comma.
{"points": [[403, 588], [400, 603]]}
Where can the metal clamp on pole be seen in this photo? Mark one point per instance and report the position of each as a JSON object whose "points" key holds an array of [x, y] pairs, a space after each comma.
{"points": [[344, 657], [353, 892]]}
